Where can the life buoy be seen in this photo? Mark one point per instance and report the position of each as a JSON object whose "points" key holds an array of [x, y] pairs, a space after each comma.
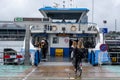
{"points": [[73, 28], [54, 28]]}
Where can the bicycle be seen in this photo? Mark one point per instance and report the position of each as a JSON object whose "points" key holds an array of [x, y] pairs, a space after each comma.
{"points": [[79, 67]]}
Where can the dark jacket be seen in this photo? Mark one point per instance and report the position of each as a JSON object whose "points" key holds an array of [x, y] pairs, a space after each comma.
{"points": [[79, 53]]}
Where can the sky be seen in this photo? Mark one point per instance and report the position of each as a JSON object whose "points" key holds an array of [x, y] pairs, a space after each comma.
{"points": [[108, 10]]}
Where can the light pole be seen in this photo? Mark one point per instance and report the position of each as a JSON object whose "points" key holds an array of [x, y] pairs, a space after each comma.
{"points": [[92, 11], [27, 46], [115, 25], [104, 22]]}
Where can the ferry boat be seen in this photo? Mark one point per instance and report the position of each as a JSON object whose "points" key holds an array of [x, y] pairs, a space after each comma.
{"points": [[59, 27]]}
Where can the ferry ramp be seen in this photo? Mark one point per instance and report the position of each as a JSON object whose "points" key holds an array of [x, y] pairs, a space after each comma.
{"points": [[58, 71]]}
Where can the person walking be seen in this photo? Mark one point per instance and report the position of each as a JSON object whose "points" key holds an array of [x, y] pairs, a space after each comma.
{"points": [[37, 55], [74, 52], [74, 45], [44, 49]]}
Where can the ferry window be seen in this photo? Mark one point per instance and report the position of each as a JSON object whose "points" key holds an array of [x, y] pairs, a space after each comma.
{"points": [[55, 40], [57, 21], [70, 21], [45, 19]]}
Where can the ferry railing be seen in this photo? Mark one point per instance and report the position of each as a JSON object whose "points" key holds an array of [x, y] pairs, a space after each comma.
{"points": [[80, 27], [12, 34], [89, 27], [115, 57]]}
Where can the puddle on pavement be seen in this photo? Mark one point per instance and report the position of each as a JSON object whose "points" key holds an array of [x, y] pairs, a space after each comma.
{"points": [[113, 69], [12, 70]]}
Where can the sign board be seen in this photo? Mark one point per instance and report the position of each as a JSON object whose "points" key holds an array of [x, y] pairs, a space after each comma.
{"points": [[103, 47], [104, 30], [62, 34], [20, 19]]}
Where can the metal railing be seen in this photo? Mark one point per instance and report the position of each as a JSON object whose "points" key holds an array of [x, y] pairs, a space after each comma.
{"points": [[79, 27], [115, 57]]}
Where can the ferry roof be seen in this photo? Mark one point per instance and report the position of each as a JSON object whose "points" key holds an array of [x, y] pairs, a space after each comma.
{"points": [[11, 26], [63, 13]]}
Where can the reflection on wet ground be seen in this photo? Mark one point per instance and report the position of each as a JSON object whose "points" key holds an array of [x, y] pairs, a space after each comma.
{"points": [[59, 70], [57, 59]]}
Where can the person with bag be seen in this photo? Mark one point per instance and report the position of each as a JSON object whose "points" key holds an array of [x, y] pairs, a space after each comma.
{"points": [[37, 55], [74, 44], [81, 48], [44, 49], [78, 54], [74, 53]]}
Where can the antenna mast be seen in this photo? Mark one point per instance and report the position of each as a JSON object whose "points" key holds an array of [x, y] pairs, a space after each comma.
{"points": [[92, 11], [63, 3], [71, 3], [115, 25]]}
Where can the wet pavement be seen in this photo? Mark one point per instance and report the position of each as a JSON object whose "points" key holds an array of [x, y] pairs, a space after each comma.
{"points": [[63, 71], [59, 71]]}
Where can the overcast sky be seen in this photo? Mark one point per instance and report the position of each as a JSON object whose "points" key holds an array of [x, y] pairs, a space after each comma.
{"points": [[103, 10]]}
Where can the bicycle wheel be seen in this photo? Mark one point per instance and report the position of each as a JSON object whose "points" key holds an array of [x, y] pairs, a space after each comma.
{"points": [[80, 72]]}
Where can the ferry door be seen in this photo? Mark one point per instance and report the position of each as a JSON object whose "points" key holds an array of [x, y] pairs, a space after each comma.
{"points": [[38, 37], [59, 46]]}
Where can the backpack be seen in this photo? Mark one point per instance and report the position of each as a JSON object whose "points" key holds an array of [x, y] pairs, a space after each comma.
{"points": [[81, 53]]}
